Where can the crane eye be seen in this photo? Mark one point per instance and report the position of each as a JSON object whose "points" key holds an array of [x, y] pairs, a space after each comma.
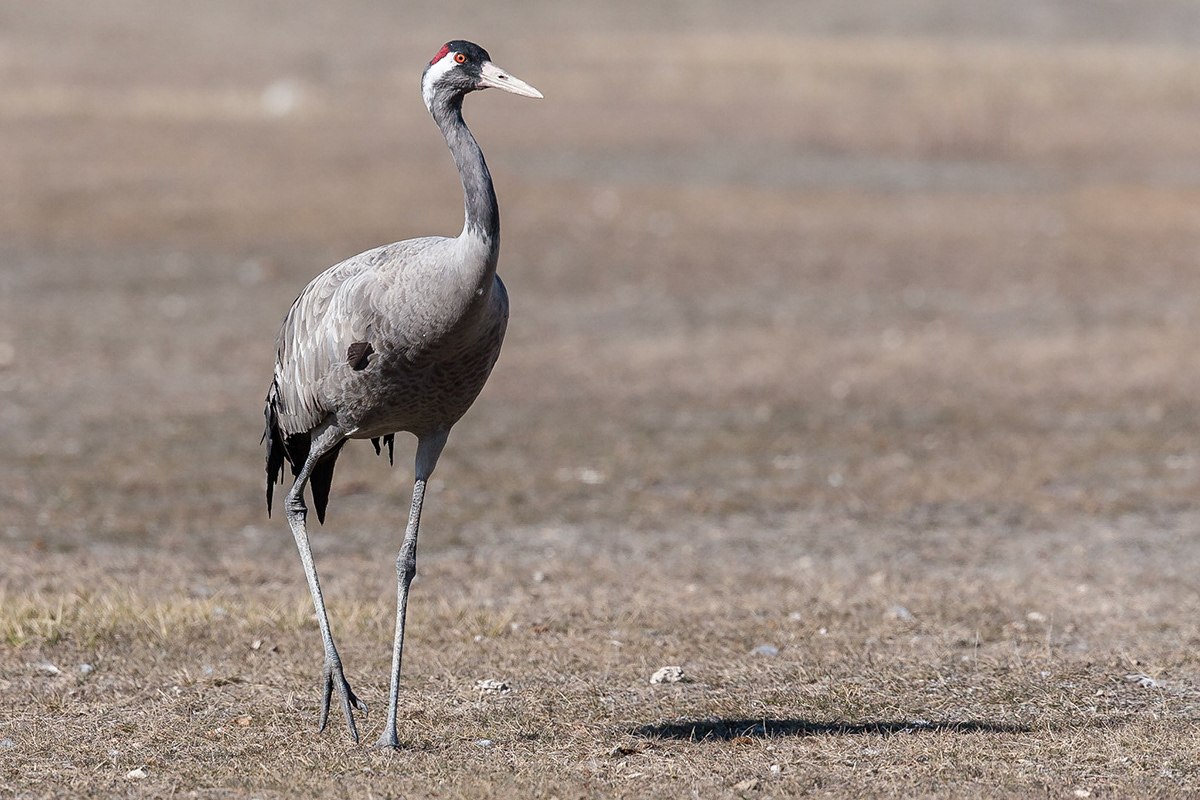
{"points": [[460, 58]]}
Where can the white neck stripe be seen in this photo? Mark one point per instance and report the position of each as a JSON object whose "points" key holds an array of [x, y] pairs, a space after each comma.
{"points": [[434, 74]]}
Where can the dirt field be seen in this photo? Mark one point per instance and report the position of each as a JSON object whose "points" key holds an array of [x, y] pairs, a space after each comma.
{"points": [[852, 367]]}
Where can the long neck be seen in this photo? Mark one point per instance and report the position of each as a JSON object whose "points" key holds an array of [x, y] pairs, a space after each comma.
{"points": [[479, 198]]}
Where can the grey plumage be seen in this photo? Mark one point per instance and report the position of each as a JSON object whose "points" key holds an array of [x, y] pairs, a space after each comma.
{"points": [[399, 338], [433, 313]]}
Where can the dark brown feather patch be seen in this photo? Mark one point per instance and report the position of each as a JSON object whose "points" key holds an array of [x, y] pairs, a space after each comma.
{"points": [[357, 355]]}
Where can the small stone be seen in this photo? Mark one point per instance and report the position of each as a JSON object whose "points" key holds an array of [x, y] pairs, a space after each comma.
{"points": [[1144, 681], [46, 668], [86, 668], [622, 750], [136, 774], [748, 785], [765, 650], [899, 612], [668, 675], [7, 744], [492, 686], [484, 742]]}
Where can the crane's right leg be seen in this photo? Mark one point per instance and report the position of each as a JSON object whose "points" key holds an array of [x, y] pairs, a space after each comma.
{"points": [[324, 439], [429, 448]]}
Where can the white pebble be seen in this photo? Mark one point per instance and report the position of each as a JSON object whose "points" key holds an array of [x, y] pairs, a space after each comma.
{"points": [[668, 675], [1144, 681], [492, 686]]}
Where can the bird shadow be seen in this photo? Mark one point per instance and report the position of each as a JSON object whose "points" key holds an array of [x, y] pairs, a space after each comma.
{"points": [[725, 729]]}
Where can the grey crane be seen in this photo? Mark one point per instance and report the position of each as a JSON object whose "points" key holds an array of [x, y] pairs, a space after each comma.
{"points": [[399, 338]]}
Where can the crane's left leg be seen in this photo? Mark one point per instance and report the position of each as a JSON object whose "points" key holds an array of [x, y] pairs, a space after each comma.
{"points": [[325, 440], [429, 448]]}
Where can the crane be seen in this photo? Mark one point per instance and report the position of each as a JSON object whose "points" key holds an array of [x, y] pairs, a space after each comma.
{"points": [[401, 338]]}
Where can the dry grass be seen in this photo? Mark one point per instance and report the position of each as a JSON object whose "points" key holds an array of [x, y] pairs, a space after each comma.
{"points": [[1019, 683], [863, 335]]}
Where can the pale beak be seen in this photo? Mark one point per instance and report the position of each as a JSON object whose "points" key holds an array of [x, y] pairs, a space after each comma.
{"points": [[493, 77]]}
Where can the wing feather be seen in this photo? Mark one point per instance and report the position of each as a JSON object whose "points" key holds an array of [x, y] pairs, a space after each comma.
{"points": [[336, 309], [336, 306], [343, 305]]}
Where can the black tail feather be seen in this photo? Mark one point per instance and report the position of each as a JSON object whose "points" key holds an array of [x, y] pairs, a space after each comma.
{"points": [[276, 449], [321, 480], [292, 449], [390, 440]]}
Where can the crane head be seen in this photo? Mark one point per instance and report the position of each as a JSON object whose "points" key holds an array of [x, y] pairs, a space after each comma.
{"points": [[461, 67]]}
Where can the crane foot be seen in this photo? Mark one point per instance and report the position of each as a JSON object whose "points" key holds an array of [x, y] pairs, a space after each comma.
{"points": [[388, 741], [334, 679]]}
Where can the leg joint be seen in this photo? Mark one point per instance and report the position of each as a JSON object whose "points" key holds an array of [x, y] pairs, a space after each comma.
{"points": [[406, 564], [294, 505]]}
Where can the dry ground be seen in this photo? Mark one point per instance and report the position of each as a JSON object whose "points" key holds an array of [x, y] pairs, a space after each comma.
{"points": [[864, 332]]}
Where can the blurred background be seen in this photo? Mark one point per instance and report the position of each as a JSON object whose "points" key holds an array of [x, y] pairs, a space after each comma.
{"points": [[920, 264], [852, 366]]}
